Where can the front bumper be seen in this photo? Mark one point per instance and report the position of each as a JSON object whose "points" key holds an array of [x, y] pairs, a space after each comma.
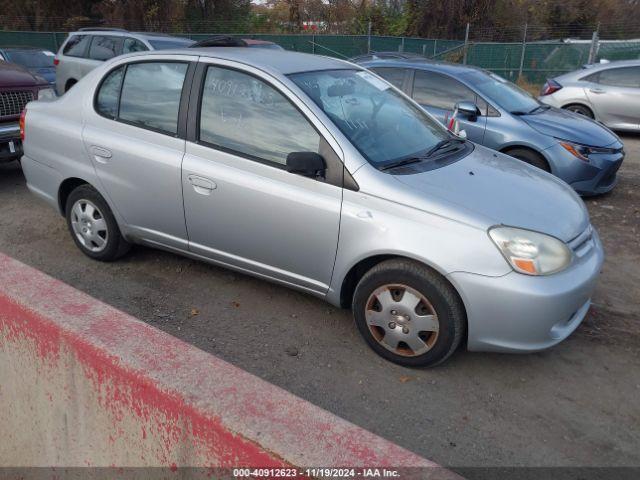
{"points": [[521, 313], [595, 177], [10, 144]]}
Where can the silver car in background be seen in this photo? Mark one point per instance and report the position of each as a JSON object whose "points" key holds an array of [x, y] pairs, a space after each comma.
{"points": [[317, 174], [607, 92], [88, 48]]}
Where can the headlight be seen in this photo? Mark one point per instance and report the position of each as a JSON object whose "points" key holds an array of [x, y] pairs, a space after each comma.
{"points": [[531, 253], [583, 152], [46, 93]]}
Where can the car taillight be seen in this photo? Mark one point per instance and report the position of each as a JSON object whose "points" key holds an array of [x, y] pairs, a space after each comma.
{"points": [[551, 86], [56, 61], [23, 118]]}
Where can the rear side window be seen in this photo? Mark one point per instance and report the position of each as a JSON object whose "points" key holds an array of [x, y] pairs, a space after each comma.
{"points": [[132, 45], [620, 77], [104, 48], [151, 94], [147, 97], [246, 115], [395, 76], [107, 99], [77, 46], [442, 91]]}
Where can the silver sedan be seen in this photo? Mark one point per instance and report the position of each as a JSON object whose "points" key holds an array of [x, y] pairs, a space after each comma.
{"points": [[606, 92], [319, 175]]}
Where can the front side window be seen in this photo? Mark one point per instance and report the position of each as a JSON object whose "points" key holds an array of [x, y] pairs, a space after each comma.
{"points": [[620, 77], [377, 120], [104, 48], [502, 92], [131, 45], [395, 76], [77, 46], [442, 91], [107, 99], [244, 114]]}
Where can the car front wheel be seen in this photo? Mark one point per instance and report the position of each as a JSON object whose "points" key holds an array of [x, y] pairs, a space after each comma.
{"points": [[92, 225], [408, 313]]}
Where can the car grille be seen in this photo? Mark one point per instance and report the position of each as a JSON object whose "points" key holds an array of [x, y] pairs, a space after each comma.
{"points": [[12, 103], [583, 243]]}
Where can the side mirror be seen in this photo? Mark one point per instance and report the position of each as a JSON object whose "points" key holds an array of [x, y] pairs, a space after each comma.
{"points": [[308, 164], [468, 110]]}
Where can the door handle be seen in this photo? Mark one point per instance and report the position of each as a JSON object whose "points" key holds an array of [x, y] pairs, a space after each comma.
{"points": [[202, 185], [596, 90], [101, 154]]}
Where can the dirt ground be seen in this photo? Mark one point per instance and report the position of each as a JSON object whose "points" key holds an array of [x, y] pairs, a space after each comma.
{"points": [[574, 405]]}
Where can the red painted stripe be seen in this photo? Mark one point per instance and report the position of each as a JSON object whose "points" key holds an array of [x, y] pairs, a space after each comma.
{"points": [[238, 418]]}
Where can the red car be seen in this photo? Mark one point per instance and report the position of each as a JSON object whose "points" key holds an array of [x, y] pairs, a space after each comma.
{"points": [[17, 87]]}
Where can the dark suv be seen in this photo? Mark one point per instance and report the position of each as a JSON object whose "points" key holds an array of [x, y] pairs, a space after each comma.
{"points": [[17, 87]]}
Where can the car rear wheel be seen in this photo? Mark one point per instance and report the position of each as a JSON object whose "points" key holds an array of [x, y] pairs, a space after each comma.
{"points": [[530, 157], [92, 225], [408, 313], [580, 109]]}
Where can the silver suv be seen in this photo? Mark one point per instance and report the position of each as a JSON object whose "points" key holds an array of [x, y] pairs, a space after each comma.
{"points": [[316, 174], [87, 48]]}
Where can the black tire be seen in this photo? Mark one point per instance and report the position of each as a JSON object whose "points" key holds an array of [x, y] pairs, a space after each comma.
{"points": [[530, 157], [580, 109], [70, 83], [116, 246], [442, 298]]}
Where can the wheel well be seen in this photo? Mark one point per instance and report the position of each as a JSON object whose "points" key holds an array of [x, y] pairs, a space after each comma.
{"points": [[510, 148], [68, 186], [579, 105], [356, 272], [70, 83]]}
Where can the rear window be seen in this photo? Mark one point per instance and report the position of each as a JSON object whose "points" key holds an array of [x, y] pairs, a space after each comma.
{"points": [[31, 58], [77, 46]]}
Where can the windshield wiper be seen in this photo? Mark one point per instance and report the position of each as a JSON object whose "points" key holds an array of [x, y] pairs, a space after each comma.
{"points": [[442, 144], [534, 110], [401, 163]]}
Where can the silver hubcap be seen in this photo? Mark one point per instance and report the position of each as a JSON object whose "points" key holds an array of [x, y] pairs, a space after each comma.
{"points": [[402, 320], [89, 226]]}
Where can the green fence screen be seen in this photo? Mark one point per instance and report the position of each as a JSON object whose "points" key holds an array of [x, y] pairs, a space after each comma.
{"points": [[541, 59]]}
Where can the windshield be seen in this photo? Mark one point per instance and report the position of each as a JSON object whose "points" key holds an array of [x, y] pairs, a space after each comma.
{"points": [[506, 94], [30, 58], [167, 44], [379, 122]]}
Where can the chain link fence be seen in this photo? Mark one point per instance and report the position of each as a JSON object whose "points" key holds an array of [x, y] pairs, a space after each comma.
{"points": [[531, 60]]}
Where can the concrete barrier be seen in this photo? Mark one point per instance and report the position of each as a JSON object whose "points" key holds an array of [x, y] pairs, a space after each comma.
{"points": [[84, 384]]}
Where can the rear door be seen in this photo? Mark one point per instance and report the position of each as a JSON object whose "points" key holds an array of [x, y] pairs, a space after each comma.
{"points": [[438, 93], [132, 137], [615, 96]]}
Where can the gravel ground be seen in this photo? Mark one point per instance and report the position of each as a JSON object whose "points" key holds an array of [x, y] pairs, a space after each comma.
{"points": [[574, 405]]}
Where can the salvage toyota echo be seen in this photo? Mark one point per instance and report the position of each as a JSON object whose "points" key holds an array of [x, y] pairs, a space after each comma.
{"points": [[319, 175]]}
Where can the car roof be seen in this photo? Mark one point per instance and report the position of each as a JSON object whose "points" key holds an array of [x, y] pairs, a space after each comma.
{"points": [[596, 67], [421, 64], [280, 61]]}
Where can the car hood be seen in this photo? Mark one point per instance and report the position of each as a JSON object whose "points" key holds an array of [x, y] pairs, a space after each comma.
{"points": [[570, 126], [505, 191], [12, 75]]}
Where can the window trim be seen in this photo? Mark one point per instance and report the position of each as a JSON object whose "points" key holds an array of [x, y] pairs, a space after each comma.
{"points": [[182, 105], [334, 164], [85, 53]]}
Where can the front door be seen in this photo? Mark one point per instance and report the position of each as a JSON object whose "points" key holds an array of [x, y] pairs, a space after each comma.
{"points": [[242, 207]]}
